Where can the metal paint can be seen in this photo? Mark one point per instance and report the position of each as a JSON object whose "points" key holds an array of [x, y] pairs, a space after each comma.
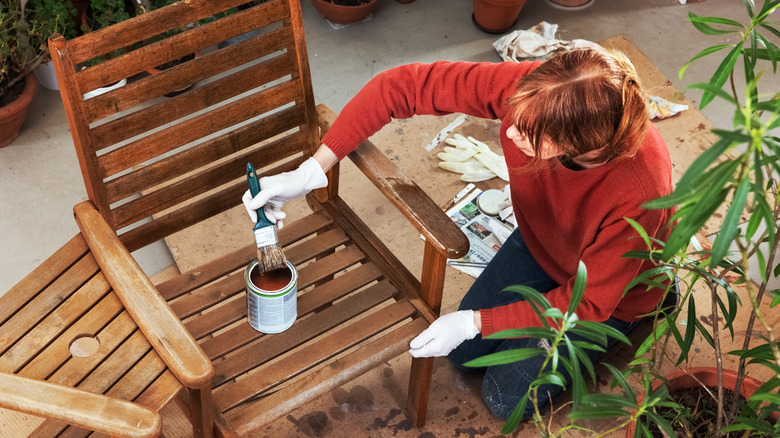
{"points": [[271, 311]]}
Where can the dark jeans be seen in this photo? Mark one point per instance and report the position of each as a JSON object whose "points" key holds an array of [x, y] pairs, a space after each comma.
{"points": [[504, 385]]}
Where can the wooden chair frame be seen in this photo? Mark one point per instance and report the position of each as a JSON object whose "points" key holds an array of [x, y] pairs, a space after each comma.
{"points": [[154, 166]]}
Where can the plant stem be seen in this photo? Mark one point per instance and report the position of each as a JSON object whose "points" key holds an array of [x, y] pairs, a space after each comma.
{"points": [[718, 356]]}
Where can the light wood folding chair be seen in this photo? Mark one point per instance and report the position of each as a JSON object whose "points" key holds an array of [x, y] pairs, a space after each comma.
{"points": [[155, 165]]}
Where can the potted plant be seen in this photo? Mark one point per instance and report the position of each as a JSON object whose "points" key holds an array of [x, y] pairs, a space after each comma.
{"points": [[343, 12], [738, 173], [17, 84], [52, 17], [496, 16]]}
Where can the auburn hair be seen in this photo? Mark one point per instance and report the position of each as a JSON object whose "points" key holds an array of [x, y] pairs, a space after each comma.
{"points": [[580, 101]]}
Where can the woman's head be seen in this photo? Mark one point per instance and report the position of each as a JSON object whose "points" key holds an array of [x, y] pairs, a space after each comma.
{"points": [[584, 103]]}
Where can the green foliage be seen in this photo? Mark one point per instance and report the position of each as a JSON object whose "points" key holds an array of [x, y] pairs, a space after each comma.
{"points": [[24, 30]]}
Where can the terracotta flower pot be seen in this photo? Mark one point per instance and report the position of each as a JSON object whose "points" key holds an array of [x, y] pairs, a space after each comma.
{"points": [[709, 377], [496, 16], [566, 4], [12, 115], [339, 14]]}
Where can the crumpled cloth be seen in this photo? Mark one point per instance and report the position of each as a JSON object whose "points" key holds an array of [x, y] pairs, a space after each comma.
{"points": [[539, 43], [536, 43]]}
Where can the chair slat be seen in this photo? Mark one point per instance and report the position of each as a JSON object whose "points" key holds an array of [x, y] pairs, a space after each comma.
{"points": [[161, 392], [200, 182], [41, 276], [308, 302], [193, 128], [234, 393], [90, 321], [252, 415], [176, 46], [192, 72], [304, 329], [111, 337], [37, 309], [206, 153], [189, 281]]}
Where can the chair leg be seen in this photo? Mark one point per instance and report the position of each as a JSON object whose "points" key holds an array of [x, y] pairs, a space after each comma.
{"points": [[202, 412], [419, 390]]}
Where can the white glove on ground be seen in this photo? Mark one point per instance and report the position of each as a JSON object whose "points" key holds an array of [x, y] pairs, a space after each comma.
{"points": [[444, 334], [275, 190], [473, 159]]}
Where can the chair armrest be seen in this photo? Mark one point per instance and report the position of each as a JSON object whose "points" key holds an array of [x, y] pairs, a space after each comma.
{"points": [[96, 412], [148, 309], [429, 219]]}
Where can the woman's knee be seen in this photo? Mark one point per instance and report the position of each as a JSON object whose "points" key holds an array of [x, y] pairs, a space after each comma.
{"points": [[502, 398]]}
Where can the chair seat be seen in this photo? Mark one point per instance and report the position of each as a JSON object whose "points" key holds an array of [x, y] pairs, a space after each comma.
{"points": [[67, 299], [350, 316]]}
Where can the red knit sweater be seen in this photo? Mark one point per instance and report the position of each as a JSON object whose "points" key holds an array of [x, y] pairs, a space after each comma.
{"points": [[564, 216]]}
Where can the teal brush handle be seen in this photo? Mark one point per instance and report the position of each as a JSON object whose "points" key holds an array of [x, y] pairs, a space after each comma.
{"points": [[254, 189]]}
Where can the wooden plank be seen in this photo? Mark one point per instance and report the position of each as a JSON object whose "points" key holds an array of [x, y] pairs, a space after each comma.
{"points": [[194, 39], [34, 341], [45, 273], [202, 181], [232, 394], [234, 310], [97, 412], [111, 337], [308, 302], [90, 324], [109, 372], [251, 416], [305, 329], [378, 253], [233, 283], [161, 392], [204, 154], [40, 306], [150, 312], [177, 108], [189, 281], [192, 128], [202, 67]]}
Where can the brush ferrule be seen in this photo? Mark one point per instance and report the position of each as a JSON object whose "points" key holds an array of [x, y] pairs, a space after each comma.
{"points": [[266, 236]]}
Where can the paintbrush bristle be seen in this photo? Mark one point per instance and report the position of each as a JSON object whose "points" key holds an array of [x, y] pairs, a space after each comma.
{"points": [[271, 257]]}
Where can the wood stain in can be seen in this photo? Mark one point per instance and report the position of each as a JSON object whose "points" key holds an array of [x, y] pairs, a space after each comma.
{"points": [[271, 298]]}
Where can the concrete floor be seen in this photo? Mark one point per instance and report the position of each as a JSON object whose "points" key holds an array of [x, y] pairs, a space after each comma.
{"points": [[41, 180]]}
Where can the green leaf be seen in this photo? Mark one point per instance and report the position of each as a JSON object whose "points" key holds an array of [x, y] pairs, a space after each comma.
{"points": [[729, 227], [767, 397], [578, 291], [661, 423], [597, 412], [705, 334], [721, 74], [621, 380], [577, 383], [749, 6], [613, 400], [702, 24], [516, 416], [505, 357], [660, 330], [771, 29], [639, 229], [703, 53], [608, 330], [690, 326], [533, 332], [535, 299], [771, 52]]}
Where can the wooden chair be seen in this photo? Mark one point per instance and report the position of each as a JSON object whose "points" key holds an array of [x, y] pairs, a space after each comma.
{"points": [[66, 325], [155, 165]]}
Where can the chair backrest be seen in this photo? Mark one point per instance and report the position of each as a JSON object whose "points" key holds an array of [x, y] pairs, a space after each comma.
{"points": [[182, 159]]}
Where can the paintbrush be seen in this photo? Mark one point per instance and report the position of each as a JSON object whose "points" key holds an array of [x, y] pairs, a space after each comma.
{"points": [[269, 253]]}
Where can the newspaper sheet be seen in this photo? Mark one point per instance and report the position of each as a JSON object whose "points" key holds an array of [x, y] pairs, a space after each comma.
{"points": [[483, 244]]}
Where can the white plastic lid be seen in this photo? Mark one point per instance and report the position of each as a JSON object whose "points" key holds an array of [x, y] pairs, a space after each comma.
{"points": [[488, 201]]}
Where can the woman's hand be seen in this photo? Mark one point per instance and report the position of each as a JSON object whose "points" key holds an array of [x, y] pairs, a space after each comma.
{"points": [[277, 189], [445, 334]]}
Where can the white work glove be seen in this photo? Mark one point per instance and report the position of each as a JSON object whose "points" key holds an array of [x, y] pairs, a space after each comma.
{"points": [[275, 190], [444, 334], [473, 159]]}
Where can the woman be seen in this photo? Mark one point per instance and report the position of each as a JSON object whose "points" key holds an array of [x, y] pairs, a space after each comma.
{"points": [[582, 157]]}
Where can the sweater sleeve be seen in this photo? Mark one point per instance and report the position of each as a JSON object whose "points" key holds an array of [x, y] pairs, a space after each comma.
{"points": [[608, 273], [476, 89]]}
